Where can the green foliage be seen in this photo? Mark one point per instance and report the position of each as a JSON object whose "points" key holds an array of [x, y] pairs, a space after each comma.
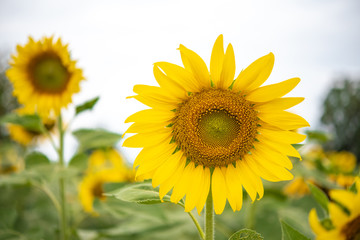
{"points": [[29, 122], [88, 105], [79, 161], [95, 138], [317, 136], [289, 233], [246, 234], [142, 193], [342, 116], [319, 196], [35, 159]]}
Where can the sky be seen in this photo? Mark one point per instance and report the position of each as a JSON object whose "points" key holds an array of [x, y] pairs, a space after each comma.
{"points": [[116, 43]]}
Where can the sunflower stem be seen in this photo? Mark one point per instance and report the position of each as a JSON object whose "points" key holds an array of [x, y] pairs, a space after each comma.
{"points": [[209, 217], [64, 235]]}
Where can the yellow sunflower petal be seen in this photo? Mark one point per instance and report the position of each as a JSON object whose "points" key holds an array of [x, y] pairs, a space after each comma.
{"points": [[251, 182], [270, 92], [151, 116], [228, 69], [174, 88], [205, 190], [153, 152], [167, 185], [181, 187], [315, 223], [194, 63], [218, 190], [255, 74], [193, 194], [284, 120], [148, 139], [234, 188], [166, 169], [278, 104], [280, 147], [346, 198], [282, 136], [273, 156], [179, 75], [338, 216], [217, 59]]}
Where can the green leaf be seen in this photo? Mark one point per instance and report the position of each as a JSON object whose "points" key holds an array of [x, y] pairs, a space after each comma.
{"points": [[289, 233], [142, 193], [353, 188], [29, 122], [319, 196], [35, 159], [246, 234], [79, 161], [88, 105], [95, 138]]}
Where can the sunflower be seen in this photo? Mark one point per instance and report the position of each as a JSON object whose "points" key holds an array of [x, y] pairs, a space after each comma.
{"points": [[297, 187], [207, 129], [44, 76], [344, 215], [104, 166], [27, 137]]}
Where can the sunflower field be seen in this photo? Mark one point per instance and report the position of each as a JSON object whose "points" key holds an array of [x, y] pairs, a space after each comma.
{"points": [[221, 153]]}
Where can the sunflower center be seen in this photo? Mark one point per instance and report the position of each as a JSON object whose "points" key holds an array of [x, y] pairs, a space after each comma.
{"points": [[48, 73], [351, 230], [218, 128], [97, 190], [215, 127]]}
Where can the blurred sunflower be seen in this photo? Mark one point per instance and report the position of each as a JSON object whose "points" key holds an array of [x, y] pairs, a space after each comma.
{"points": [[27, 137], [44, 76], [297, 187], [343, 161], [207, 127], [104, 166], [344, 216]]}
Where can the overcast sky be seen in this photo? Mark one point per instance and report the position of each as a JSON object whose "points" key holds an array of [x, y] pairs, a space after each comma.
{"points": [[117, 42]]}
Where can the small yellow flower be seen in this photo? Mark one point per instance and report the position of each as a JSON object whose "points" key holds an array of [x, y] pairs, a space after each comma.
{"points": [[44, 76], [345, 224], [10, 160], [297, 188], [344, 162], [342, 180], [203, 126], [104, 166]]}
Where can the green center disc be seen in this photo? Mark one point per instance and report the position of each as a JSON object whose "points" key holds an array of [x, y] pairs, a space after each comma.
{"points": [[217, 128], [49, 74]]}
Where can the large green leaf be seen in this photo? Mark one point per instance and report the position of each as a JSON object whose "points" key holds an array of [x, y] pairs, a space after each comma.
{"points": [[95, 138], [36, 159], [289, 233], [142, 193], [79, 161], [319, 196], [88, 105], [29, 122], [246, 234]]}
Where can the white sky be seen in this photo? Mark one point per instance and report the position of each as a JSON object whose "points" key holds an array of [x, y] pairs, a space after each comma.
{"points": [[117, 42]]}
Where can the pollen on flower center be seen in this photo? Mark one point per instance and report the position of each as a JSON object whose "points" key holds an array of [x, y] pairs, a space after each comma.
{"points": [[47, 73], [215, 127], [352, 229]]}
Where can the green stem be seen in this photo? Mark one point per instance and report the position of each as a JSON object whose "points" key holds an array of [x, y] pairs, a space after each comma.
{"points": [[64, 234], [209, 218], [201, 232], [51, 196]]}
